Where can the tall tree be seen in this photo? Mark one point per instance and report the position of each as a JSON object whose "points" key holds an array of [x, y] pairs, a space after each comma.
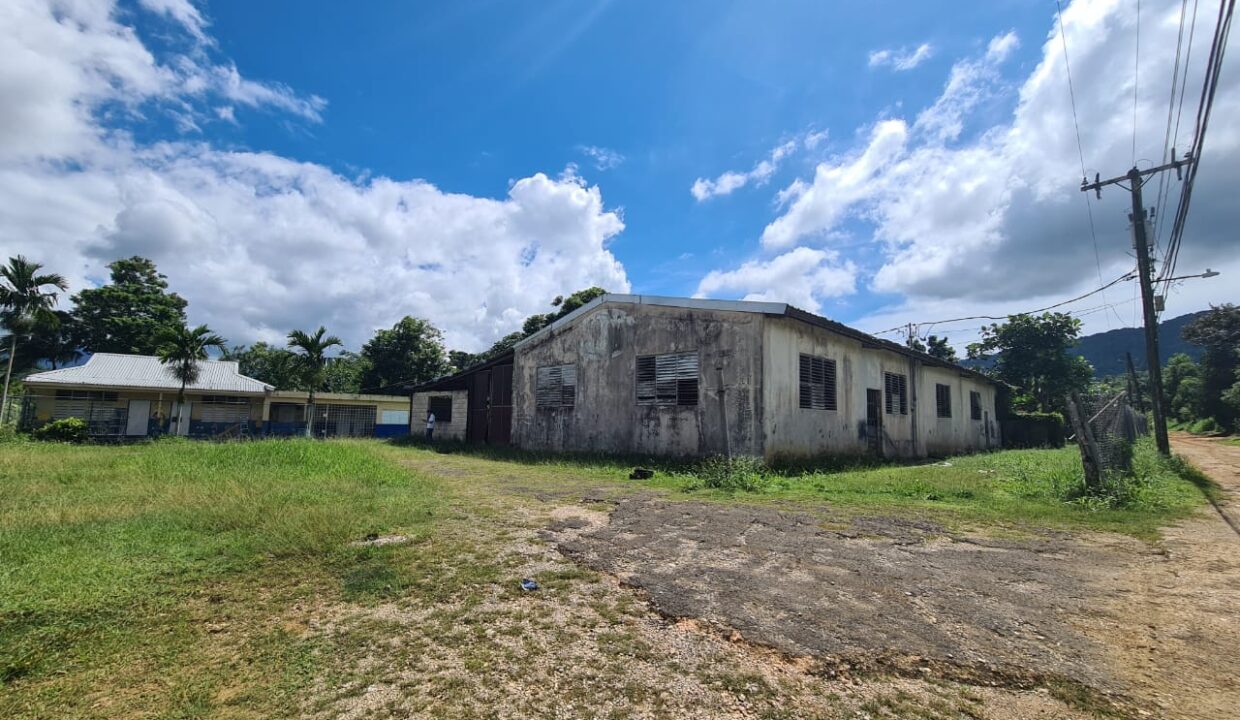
{"points": [[26, 298], [131, 313], [937, 347], [1218, 333], [275, 366], [180, 349], [1182, 388], [411, 352], [1031, 353], [345, 373], [312, 359]]}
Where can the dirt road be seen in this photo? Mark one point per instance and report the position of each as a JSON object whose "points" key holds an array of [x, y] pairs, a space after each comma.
{"points": [[1173, 629], [1149, 629]]}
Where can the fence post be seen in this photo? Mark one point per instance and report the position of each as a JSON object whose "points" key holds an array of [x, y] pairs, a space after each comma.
{"points": [[1091, 457]]}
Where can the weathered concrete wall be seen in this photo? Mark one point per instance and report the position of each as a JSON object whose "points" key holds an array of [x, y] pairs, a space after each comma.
{"points": [[450, 430], [791, 431], [795, 432], [604, 345], [960, 432]]}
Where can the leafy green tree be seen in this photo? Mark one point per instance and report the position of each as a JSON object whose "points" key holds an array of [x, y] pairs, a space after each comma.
{"points": [[275, 366], [51, 340], [312, 361], [1031, 353], [1231, 396], [532, 324], [345, 373], [411, 352], [131, 313], [180, 349], [937, 347], [1218, 334], [26, 299], [459, 360], [1182, 387]]}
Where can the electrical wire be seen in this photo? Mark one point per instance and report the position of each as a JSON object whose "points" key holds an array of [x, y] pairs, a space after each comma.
{"points": [[1136, 81], [1214, 67], [1126, 276], [1160, 194], [1080, 148]]}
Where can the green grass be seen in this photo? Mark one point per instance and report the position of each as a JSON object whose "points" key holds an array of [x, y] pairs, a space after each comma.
{"points": [[146, 569], [178, 579], [1017, 488], [1012, 488]]}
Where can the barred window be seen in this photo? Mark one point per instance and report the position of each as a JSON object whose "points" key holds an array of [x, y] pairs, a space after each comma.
{"points": [[441, 405], [943, 400], [897, 393], [95, 395], [555, 386], [667, 379], [224, 400], [817, 383], [975, 405]]}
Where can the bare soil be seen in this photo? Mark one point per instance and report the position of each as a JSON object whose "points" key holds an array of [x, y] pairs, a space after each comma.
{"points": [[1116, 624]]}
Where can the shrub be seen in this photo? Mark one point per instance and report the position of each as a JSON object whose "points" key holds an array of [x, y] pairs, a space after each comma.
{"points": [[71, 430], [745, 473]]}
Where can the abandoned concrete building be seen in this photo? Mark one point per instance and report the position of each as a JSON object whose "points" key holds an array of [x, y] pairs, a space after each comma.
{"points": [[679, 376]]}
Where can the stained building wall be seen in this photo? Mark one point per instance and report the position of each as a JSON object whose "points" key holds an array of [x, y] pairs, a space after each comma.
{"points": [[445, 429], [604, 345], [793, 431]]}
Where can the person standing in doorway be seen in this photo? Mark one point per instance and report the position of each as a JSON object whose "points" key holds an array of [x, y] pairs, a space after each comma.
{"points": [[430, 426]]}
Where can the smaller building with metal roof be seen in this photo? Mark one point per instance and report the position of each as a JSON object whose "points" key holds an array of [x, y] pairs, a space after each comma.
{"points": [[134, 396]]}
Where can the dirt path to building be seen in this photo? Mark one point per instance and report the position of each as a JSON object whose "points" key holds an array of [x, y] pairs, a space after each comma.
{"points": [[1171, 624]]}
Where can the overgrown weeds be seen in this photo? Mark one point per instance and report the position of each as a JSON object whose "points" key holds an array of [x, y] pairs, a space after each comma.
{"points": [[741, 473]]}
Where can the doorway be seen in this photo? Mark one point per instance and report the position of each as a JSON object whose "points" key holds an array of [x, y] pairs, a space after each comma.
{"points": [[874, 421]]}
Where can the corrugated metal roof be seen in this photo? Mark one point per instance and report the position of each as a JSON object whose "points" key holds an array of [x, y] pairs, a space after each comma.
{"points": [[113, 370], [764, 308]]}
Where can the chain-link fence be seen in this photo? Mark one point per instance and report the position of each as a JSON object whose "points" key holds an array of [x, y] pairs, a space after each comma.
{"points": [[1105, 428]]}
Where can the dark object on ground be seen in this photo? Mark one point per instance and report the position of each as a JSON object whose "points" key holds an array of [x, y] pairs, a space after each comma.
{"points": [[641, 474], [528, 585]]}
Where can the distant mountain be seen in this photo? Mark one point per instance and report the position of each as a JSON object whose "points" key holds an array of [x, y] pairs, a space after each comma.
{"points": [[1105, 350]]}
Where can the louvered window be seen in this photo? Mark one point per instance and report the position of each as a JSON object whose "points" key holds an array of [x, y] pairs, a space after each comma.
{"points": [[943, 400], [975, 405], [555, 386], [817, 383], [667, 379], [896, 400]]}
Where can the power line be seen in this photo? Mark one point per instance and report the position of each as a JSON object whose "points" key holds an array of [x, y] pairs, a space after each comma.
{"points": [[1214, 67], [1080, 148], [1163, 186], [1136, 80], [1126, 276]]}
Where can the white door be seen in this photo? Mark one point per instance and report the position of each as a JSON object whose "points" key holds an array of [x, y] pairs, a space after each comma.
{"points": [[180, 416], [139, 415]]}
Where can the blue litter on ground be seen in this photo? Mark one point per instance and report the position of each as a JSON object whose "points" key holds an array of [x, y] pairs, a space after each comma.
{"points": [[529, 585]]}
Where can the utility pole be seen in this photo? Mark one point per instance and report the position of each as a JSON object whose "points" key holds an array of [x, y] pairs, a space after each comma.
{"points": [[1135, 179]]}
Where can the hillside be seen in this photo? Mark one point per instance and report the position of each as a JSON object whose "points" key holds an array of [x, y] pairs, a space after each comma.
{"points": [[1105, 350]]}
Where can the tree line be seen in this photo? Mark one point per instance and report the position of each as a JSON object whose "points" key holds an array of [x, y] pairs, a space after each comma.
{"points": [[136, 313], [1032, 354]]}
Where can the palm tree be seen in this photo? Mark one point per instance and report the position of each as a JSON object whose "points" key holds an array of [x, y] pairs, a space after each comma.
{"points": [[181, 349], [23, 302], [313, 364]]}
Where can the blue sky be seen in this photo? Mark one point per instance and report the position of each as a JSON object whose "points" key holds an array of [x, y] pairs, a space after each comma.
{"points": [[290, 164]]}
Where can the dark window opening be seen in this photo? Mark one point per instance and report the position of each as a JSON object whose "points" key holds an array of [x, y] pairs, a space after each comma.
{"points": [[441, 406], [943, 400], [975, 405], [667, 379], [817, 376], [555, 386], [98, 396], [896, 395]]}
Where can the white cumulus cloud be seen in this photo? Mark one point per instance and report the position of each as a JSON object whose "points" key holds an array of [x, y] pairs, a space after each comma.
{"points": [[802, 276], [732, 180], [259, 243]]}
